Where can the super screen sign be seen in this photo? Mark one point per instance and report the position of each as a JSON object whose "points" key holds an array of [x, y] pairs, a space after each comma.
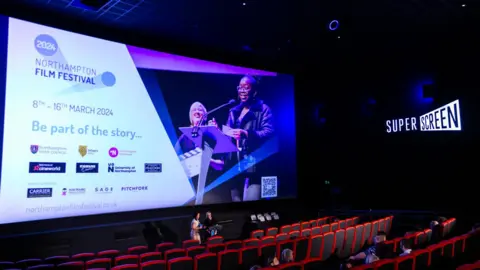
{"points": [[445, 118]]}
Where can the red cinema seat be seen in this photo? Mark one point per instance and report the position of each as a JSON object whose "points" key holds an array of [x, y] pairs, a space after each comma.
{"points": [[291, 266], [321, 221], [206, 261], [295, 227], [285, 229], [287, 244], [306, 232], [190, 243], [386, 264], [257, 234], [228, 259], [326, 228], [98, 263], [339, 241], [137, 250], [381, 225], [328, 245], [313, 223], [316, 230], [234, 244], [358, 242], [253, 242], [316, 244], [42, 267], [373, 231], [312, 264], [126, 267], [349, 222], [249, 257], [150, 256], [271, 231], [294, 234], [420, 240], [267, 240], [334, 226], [301, 248], [78, 265], [342, 224], [215, 240], [268, 251], [164, 247], [183, 263], [126, 259], [154, 265], [304, 225], [55, 260], [356, 220], [436, 252], [28, 263], [405, 262], [281, 237], [428, 233], [349, 241], [194, 251], [174, 253], [215, 248], [422, 258], [112, 253], [83, 257]]}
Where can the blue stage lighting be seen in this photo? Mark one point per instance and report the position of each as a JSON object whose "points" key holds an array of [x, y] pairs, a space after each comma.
{"points": [[333, 25]]}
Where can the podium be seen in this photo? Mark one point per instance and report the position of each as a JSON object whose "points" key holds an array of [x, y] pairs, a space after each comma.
{"points": [[211, 141]]}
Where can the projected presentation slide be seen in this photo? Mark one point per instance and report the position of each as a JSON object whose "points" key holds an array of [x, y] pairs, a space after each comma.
{"points": [[93, 126]]}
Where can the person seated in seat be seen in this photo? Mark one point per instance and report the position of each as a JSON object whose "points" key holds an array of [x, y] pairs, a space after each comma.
{"points": [[379, 249], [406, 247], [437, 233], [272, 261], [287, 256], [371, 259]]}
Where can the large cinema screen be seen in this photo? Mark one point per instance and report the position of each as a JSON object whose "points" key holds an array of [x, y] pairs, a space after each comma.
{"points": [[93, 126]]}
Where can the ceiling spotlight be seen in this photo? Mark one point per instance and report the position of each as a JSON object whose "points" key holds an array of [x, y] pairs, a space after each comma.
{"points": [[463, 5], [244, 4], [333, 25]]}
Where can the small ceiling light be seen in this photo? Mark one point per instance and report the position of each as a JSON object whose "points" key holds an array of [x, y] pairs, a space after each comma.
{"points": [[463, 5], [244, 4]]}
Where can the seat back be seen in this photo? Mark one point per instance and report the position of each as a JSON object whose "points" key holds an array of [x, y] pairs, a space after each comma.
{"points": [[301, 248], [253, 242], [190, 243], [234, 244], [83, 257], [164, 247], [228, 259], [306, 232], [304, 225], [316, 244], [267, 240], [215, 248], [257, 234], [321, 221], [287, 244], [313, 223], [348, 244], [267, 251], [127, 259], [316, 230], [108, 254], [126, 267], [285, 229], [339, 241], [194, 251], [206, 261], [281, 237], [294, 234], [386, 264], [381, 225], [356, 220], [174, 253], [328, 245], [272, 231], [428, 233], [334, 226], [325, 228], [358, 242], [55, 260], [150, 256], [291, 266], [216, 239], [42, 267], [137, 250], [183, 263], [420, 240], [99, 263], [435, 255], [367, 233], [405, 262], [295, 227], [78, 265], [422, 259], [374, 231], [154, 265], [349, 222], [342, 224], [249, 257]]}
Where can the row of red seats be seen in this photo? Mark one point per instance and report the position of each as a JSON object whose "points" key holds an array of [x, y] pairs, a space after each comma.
{"points": [[251, 249], [305, 226]]}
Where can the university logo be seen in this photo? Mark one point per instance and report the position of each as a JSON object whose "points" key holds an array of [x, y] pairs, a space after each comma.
{"points": [[120, 169], [445, 118], [87, 167], [153, 167], [39, 192], [82, 149], [47, 167], [34, 148]]}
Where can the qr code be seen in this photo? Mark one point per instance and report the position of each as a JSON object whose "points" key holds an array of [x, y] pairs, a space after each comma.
{"points": [[269, 186]]}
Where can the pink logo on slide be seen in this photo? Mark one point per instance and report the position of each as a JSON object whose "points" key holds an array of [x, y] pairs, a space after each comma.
{"points": [[113, 152]]}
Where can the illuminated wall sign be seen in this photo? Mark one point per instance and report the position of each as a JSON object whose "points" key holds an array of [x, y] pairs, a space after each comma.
{"points": [[445, 118]]}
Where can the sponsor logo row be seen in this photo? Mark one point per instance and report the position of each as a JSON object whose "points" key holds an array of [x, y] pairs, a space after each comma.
{"points": [[83, 150], [49, 192], [61, 167]]}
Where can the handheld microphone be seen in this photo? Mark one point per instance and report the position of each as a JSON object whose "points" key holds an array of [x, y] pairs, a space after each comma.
{"points": [[197, 127]]}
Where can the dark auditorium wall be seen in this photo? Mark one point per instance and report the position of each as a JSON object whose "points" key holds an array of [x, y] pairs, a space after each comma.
{"points": [[366, 167]]}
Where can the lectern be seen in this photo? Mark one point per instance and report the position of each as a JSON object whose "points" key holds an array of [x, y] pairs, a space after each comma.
{"points": [[211, 141]]}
